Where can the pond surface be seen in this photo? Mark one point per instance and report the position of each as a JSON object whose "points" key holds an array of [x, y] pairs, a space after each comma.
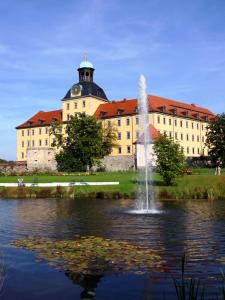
{"points": [[194, 227]]}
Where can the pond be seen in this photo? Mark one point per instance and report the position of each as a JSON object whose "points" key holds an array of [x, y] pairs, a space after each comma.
{"points": [[194, 227]]}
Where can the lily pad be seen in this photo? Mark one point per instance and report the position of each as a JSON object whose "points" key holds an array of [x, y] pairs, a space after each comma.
{"points": [[92, 255]]}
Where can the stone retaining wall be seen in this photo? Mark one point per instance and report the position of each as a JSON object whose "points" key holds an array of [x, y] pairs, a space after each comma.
{"points": [[118, 163], [13, 167]]}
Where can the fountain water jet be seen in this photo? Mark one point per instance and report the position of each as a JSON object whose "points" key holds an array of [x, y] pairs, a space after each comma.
{"points": [[145, 199]]}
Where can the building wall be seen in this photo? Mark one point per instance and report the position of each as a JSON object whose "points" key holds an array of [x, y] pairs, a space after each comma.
{"points": [[41, 159], [86, 104], [189, 133], [33, 137]]}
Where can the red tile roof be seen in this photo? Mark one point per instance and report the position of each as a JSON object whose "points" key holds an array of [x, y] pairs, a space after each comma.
{"points": [[42, 118], [156, 104], [154, 134]]}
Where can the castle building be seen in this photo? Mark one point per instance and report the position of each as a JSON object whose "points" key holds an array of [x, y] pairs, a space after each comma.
{"points": [[184, 123]]}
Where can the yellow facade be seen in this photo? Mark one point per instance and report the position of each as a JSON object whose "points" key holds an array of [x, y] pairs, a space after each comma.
{"points": [[86, 105], [189, 133]]}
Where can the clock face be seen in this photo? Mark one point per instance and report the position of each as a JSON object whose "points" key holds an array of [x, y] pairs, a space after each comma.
{"points": [[75, 90]]}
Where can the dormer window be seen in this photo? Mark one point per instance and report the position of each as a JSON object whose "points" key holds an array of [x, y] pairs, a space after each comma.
{"points": [[162, 108], [137, 109], [40, 121], [102, 114], [54, 119], [185, 113], [30, 123], [206, 118], [196, 115], [174, 111], [119, 111]]}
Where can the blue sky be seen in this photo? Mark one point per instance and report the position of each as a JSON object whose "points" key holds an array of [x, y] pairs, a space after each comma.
{"points": [[178, 45]]}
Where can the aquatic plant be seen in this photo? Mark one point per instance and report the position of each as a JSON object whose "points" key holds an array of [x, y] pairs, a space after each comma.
{"points": [[188, 288], [92, 255]]}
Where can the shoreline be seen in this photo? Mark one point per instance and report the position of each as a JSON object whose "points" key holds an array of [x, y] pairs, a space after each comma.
{"points": [[59, 192]]}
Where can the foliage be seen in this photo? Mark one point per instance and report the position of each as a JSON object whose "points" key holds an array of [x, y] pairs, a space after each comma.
{"points": [[91, 255], [215, 140], [85, 142], [169, 159]]}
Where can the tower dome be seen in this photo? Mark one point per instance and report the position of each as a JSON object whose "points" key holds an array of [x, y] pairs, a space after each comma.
{"points": [[86, 64]]}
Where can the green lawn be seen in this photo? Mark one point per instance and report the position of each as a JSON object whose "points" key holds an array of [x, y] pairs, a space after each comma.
{"points": [[203, 184]]}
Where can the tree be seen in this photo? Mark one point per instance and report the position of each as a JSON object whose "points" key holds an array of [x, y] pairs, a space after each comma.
{"points": [[169, 159], [215, 139], [85, 142]]}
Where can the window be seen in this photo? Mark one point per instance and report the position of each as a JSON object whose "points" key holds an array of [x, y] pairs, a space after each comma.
{"points": [[22, 144], [158, 119], [68, 117], [203, 139], [39, 130], [186, 124], [128, 135], [40, 143], [198, 151], [187, 137], [67, 106], [202, 127], [137, 134], [181, 136], [119, 136], [119, 150], [22, 132], [128, 149], [176, 135], [32, 131], [46, 142], [83, 103], [137, 120], [192, 125], [28, 132], [109, 122], [128, 121], [164, 121], [170, 122], [75, 105], [28, 143], [181, 123], [33, 143], [119, 122], [197, 138], [170, 134], [193, 150], [193, 137], [187, 150], [175, 122], [46, 130], [22, 155], [197, 126]]}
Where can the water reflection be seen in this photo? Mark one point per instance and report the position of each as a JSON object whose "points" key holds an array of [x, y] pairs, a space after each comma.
{"points": [[88, 282], [195, 227]]}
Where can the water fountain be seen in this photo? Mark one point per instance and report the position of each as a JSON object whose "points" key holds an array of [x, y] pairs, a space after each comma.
{"points": [[145, 198]]}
